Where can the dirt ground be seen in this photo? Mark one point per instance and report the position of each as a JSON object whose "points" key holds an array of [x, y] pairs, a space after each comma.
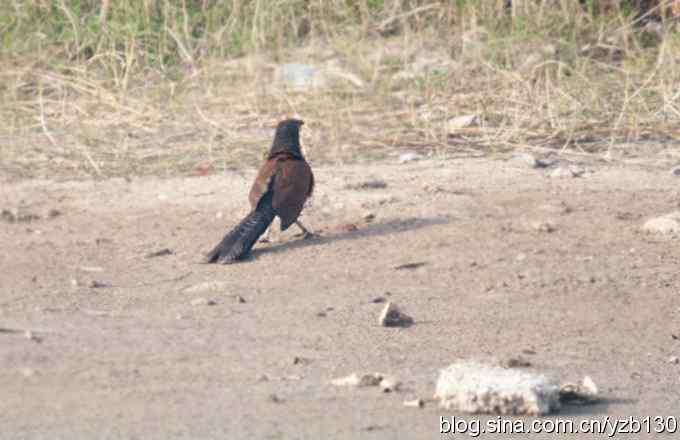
{"points": [[98, 339]]}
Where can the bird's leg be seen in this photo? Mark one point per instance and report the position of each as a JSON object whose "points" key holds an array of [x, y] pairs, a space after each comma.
{"points": [[306, 233]]}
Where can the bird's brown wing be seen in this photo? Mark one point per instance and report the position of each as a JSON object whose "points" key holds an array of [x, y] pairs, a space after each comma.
{"points": [[292, 185], [262, 181], [291, 181]]}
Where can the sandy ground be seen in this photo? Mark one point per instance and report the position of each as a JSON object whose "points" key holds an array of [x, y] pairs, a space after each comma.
{"points": [[121, 346]]}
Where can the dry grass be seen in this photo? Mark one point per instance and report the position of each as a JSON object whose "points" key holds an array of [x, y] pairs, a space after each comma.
{"points": [[187, 90]]}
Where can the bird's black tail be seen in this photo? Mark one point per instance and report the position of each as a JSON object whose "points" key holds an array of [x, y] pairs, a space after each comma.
{"points": [[240, 240]]}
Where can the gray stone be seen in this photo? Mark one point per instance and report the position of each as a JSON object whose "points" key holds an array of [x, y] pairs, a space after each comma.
{"points": [[392, 316]]}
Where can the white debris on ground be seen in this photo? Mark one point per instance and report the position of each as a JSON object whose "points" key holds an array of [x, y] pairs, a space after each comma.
{"points": [[567, 172], [385, 382], [476, 388], [409, 157]]}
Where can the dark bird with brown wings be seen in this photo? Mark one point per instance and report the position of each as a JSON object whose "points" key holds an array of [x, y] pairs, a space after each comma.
{"points": [[283, 184]]}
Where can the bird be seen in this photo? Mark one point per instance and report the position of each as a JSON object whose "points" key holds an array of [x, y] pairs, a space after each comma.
{"points": [[283, 184]]}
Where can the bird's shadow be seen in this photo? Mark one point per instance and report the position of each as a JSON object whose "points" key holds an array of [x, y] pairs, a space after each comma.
{"points": [[370, 230]]}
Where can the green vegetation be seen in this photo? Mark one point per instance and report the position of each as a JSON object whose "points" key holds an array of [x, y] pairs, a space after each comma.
{"points": [[117, 87]]}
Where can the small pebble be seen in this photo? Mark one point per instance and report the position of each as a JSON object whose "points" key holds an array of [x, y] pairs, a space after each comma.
{"points": [[543, 226], [392, 316], [203, 302], [516, 362], [369, 217], [415, 403], [674, 360], [368, 184]]}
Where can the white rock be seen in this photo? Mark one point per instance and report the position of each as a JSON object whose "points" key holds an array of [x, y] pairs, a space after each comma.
{"points": [[462, 122], [667, 224], [531, 161], [526, 158], [392, 316], [409, 157], [389, 384], [584, 391], [562, 173], [477, 388], [674, 360], [589, 385], [415, 403], [359, 380]]}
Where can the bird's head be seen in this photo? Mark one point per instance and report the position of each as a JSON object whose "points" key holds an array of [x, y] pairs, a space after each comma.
{"points": [[287, 137]]}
